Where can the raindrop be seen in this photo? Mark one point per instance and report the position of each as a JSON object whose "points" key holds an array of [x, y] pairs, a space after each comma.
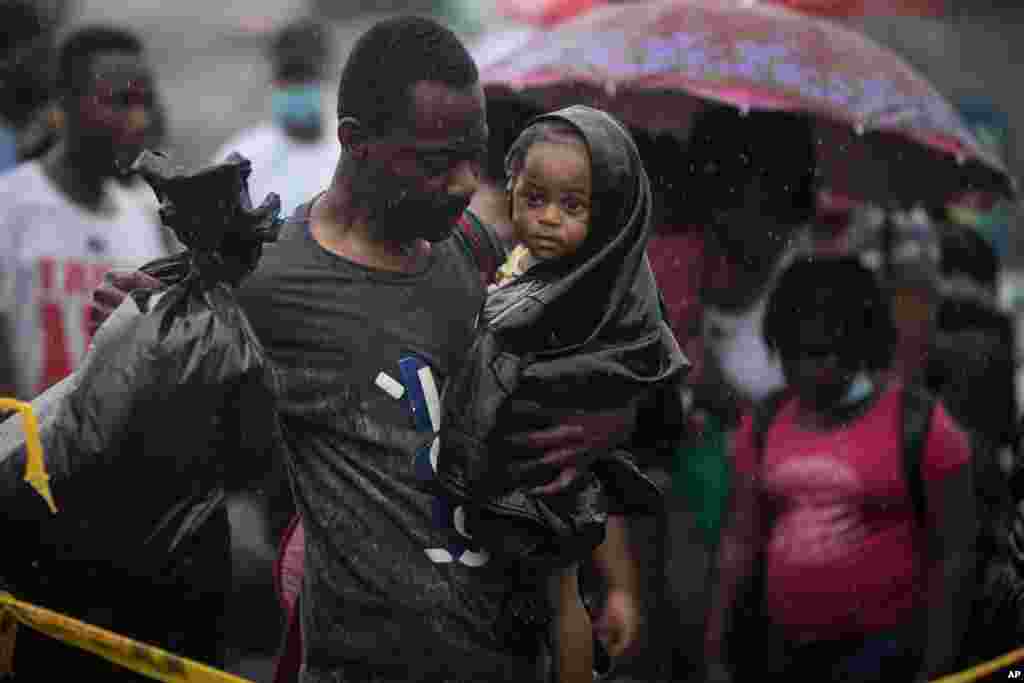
{"points": [[859, 129]]}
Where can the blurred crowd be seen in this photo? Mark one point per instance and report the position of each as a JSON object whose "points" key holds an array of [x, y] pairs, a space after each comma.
{"points": [[800, 530]]}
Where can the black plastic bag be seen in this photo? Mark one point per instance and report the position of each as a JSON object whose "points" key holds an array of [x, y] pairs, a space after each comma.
{"points": [[172, 403]]}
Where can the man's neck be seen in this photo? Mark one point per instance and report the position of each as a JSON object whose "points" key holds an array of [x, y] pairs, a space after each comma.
{"points": [[77, 175], [339, 229]]}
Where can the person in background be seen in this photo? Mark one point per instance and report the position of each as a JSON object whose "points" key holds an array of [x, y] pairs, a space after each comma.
{"points": [[854, 586], [26, 60], [972, 367], [751, 180], [295, 154], [748, 186], [975, 342], [904, 249], [135, 189], [954, 341], [61, 226]]}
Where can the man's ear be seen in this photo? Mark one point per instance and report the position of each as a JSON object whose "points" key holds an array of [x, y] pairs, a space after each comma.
{"points": [[352, 136]]}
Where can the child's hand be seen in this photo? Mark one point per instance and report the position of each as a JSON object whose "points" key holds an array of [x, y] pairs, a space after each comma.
{"points": [[619, 623]]}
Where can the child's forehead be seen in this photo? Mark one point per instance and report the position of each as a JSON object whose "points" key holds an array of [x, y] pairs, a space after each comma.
{"points": [[559, 146], [557, 131], [557, 163]]}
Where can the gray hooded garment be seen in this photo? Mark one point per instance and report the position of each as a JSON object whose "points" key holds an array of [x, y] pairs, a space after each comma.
{"points": [[583, 334]]}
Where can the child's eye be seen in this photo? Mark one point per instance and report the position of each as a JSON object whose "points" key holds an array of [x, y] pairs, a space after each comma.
{"points": [[575, 206]]}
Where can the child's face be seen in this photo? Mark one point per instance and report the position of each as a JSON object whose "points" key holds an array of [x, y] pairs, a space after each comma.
{"points": [[551, 198]]}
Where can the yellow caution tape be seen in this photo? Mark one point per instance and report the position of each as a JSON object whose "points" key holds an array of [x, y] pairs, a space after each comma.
{"points": [[153, 662], [148, 660], [976, 672], [35, 464]]}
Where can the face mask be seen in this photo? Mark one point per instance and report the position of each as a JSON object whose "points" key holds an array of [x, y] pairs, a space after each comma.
{"points": [[298, 106], [860, 389]]}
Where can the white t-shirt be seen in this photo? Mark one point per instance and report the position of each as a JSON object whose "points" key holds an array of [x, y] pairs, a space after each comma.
{"points": [[296, 171], [737, 341], [139, 191], [53, 254]]}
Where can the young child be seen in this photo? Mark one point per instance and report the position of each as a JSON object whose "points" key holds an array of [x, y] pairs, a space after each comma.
{"points": [[550, 202], [574, 322], [550, 192]]}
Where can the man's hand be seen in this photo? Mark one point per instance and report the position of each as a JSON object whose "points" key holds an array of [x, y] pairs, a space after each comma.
{"points": [[116, 286], [619, 622], [570, 446]]}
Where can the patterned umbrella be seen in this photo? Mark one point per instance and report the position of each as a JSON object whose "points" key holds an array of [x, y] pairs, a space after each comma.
{"points": [[550, 12], [860, 8], [544, 12], [885, 133]]}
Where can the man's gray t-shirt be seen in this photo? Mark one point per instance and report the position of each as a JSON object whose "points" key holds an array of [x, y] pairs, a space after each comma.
{"points": [[393, 591]]}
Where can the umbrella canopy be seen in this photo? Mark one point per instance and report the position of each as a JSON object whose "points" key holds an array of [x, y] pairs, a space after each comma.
{"points": [[860, 8], [550, 12], [885, 133], [545, 12]]}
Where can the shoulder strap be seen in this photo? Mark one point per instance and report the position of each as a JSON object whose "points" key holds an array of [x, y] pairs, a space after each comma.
{"points": [[763, 416], [918, 407]]}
